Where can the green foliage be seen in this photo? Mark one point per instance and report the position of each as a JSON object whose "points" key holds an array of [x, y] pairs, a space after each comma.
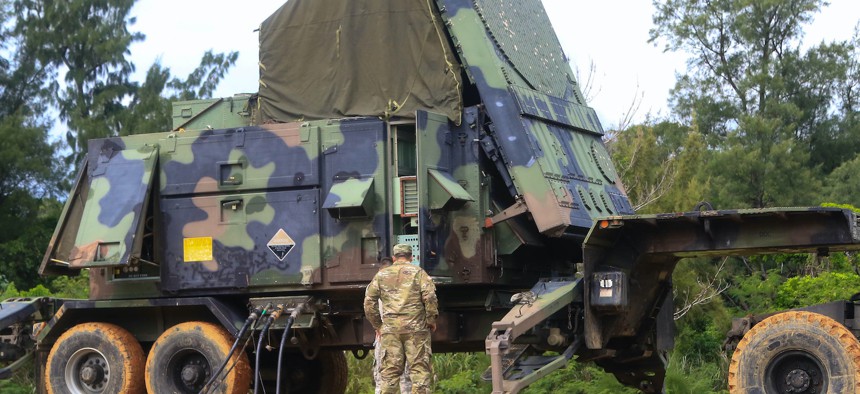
{"points": [[38, 291], [760, 165], [75, 287], [22, 248], [774, 117], [841, 206], [662, 166], [201, 83], [756, 293], [843, 184], [461, 373], [9, 291], [89, 42], [465, 382], [19, 383], [29, 175], [455, 373], [150, 106], [360, 375], [62, 287], [579, 379], [684, 376], [829, 286], [699, 339], [690, 278]]}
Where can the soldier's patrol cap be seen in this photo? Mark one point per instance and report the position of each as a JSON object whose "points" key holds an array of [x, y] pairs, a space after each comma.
{"points": [[402, 249]]}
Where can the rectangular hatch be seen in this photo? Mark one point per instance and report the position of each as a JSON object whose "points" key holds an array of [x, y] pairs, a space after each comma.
{"points": [[352, 198], [102, 224]]}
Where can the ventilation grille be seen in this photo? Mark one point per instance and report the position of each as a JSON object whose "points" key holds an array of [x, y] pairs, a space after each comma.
{"points": [[409, 196]]}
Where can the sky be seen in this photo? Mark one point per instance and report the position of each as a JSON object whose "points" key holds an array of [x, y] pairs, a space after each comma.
{"points": [[611, 35]]}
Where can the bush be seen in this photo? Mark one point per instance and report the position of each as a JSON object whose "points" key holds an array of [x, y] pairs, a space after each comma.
{"points": [[805, 290], [684, 376]]}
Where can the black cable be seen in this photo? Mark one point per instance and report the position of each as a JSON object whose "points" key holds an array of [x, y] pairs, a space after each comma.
{"points": [[251, 318], [257, 378], [249, 340], [290, 321]]}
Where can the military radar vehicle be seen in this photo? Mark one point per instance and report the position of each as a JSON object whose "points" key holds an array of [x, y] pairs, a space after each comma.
{"points": [[233, 251]]}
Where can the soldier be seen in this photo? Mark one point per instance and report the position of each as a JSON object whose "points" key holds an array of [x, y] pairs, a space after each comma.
{"points": [[405, 382], [408, 315]]}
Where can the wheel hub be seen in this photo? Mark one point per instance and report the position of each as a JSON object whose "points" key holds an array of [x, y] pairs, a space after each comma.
{"points": [[190, 370], [795, 372], [87, 371], [91, 374], [191, 374], [797, 381]]}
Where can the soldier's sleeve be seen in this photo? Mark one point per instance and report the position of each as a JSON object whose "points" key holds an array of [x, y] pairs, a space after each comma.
{"points": [[428, 295], [371, 304]]}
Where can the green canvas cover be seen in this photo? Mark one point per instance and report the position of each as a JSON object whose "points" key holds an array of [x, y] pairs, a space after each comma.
{"points": [[324, 59]]}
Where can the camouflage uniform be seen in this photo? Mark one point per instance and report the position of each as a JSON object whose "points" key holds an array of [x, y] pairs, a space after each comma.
{"points": [[408, 306], [405, 382]]}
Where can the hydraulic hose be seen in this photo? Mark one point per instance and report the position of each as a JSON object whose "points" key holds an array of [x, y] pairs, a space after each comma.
{"points": [[274, 316], [255, 314], [290, 321]]}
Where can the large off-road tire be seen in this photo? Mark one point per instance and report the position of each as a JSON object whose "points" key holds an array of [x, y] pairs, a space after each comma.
{"points": [[185, 356], [327, 373], [796, 352], [95, 358]]}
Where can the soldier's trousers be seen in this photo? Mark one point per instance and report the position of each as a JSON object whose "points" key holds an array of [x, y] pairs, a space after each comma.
{"points": [[397, 349], [405, 382]]}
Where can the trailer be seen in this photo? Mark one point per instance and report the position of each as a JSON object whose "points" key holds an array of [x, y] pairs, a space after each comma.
{"points": [[233, 251]]}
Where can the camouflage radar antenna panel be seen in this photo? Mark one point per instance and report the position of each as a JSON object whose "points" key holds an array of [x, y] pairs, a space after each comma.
{"points": [[542, 132]]}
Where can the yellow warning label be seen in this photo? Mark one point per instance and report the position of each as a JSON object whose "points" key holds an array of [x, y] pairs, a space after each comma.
{"points": [[198, 249]]}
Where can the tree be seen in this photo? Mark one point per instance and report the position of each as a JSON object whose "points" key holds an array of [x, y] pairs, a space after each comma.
{"points": [[149, 109], [661, 166], [761, 102], [29, 177], [825, 83], [807, 290], [738, 48], [843, 184], [88, 41]]}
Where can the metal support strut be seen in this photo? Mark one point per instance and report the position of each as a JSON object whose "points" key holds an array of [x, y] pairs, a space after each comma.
{"points": [[513, 366]]}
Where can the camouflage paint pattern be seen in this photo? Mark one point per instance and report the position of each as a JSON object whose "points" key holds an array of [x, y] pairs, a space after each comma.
{"points": [[224, 195], [545, 137], [116, 204], [228, 207]]}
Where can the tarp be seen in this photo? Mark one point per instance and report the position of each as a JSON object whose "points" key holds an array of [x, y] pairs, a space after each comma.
{"points": [[323, 59]]}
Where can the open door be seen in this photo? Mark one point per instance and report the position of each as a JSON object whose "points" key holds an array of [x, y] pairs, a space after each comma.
{"points": [[438, 190], [102, 224]]}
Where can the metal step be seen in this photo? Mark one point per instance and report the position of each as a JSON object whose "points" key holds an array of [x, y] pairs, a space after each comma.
{"points": [[513, 353]]}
